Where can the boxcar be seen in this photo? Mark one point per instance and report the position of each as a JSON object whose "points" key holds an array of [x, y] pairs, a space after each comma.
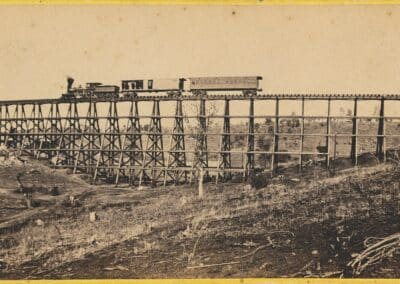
{"points": [[243, 83]]}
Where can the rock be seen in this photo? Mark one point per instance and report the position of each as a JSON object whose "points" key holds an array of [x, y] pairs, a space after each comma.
{"points": [[92, 240], [93, 217], [43, 156], [55, 191], [54, 160], [247, 187], [8, 242], [4, 153], [3, 264]]}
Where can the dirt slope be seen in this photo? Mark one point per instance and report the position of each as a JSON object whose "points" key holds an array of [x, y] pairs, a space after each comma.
{"points": [[296, 226]]}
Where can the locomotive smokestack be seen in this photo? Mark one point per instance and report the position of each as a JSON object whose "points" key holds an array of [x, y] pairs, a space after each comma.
{"points": [[70, 81]]}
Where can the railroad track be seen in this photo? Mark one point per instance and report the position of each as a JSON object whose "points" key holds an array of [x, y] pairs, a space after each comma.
{"points": [[211, 97]]}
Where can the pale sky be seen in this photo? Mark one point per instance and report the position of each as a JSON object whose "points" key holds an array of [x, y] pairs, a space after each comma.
{"points": [[297, 49]]}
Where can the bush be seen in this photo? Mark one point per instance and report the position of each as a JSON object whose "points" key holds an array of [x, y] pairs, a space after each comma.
{"points": [[257, 180], [296, 122]]}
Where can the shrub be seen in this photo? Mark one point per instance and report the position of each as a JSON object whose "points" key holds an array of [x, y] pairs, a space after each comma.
{"points": [[257, 180]]}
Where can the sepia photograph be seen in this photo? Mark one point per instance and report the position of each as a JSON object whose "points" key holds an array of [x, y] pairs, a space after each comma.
{"points": [[199, 142]]}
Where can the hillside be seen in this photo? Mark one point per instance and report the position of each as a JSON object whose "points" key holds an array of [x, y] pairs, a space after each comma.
{"points": [[307, 225]]}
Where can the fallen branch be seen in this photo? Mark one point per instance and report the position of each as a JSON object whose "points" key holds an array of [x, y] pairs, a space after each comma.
{"points": [[324, 275], [281, 231], [302, 269], [367, 241], [375, 253], [330, 273], [191, 256], [211, 265], [252, 252], [256, 250], [118, 267]]}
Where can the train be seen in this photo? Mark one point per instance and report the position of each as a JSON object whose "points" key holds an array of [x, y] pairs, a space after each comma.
{"points": [[197, 86]]}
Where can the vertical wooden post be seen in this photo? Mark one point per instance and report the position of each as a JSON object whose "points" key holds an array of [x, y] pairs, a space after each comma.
{"points": [[380, 141], [201, 148], [131, 156], [1, 125], [14, 129], [334, 148], [153, 158], [301, 136], [328, 133], [176, 152], [6, 126], [201, 181], [22, 127], [274, 157], [250, 161], [354, 142], [224, 156], [99, 158], [90, 140]]}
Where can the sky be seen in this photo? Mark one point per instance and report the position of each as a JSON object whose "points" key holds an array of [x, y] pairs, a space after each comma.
{"points": [[296, 49]]}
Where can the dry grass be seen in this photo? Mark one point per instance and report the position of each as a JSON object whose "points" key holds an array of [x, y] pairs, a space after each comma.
{"points": [[188, 230]]}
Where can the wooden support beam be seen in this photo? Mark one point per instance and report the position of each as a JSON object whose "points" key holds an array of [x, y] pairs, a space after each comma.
{"points": [[250, 161], [7, 125], [381, 141], [275, 155], [154, 155], [131, 155], [111, 141], [328, 133], [90, 139], [354, 138], [201, 149], [70, 137], [301, 135], [62, 134], [224, 156], [177, 150], [2, 126]]}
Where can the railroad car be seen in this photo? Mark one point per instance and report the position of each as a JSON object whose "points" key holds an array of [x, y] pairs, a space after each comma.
{"points": [[172, 87], [249, 85]]}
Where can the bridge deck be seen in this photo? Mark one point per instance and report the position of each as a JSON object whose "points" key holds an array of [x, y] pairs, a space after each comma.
{"points": [[213, 97]]}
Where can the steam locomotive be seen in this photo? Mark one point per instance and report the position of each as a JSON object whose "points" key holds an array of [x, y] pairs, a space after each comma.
{"points": [[247, 85], [92, 90]]}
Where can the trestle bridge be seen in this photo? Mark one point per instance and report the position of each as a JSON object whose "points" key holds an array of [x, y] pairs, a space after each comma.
{"points": [[119, 148]]}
